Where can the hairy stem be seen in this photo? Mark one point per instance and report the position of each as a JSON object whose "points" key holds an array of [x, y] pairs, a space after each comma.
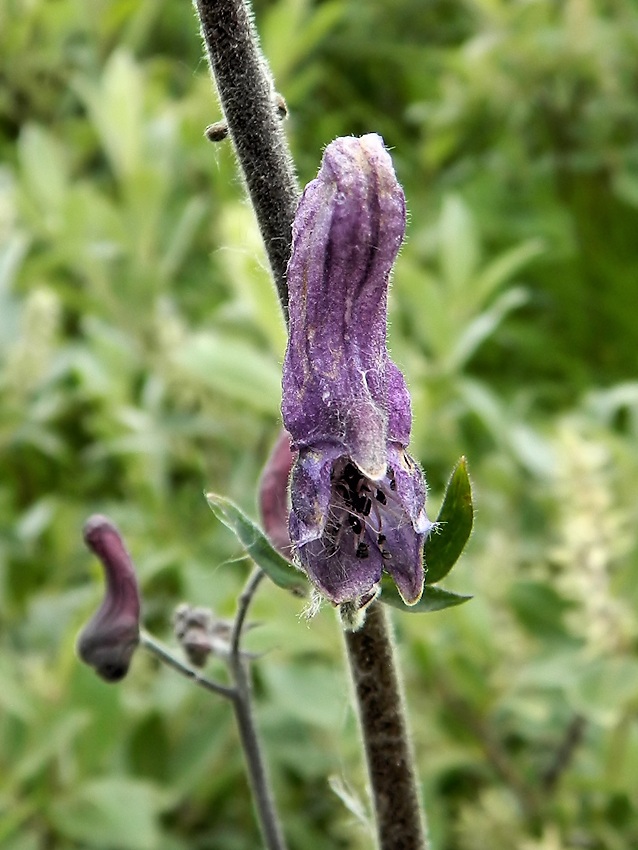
{"points": [[248, 100], [395, 792], [250, 107]]}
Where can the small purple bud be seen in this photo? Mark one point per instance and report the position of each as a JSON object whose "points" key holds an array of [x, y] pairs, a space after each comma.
{"points": [[109, 639], [274, 499], [357, 498]]}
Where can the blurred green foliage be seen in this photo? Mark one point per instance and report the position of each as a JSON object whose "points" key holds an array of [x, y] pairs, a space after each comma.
{"points": [[140, 346]]}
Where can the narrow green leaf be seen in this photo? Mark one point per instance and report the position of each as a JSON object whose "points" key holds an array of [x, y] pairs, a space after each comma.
{"points": [[231, 367], [110, 812], [256, 544], [433, 599], [445, 544]]}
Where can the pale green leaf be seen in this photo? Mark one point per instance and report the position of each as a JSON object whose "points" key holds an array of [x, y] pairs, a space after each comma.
{"points": [[232, 368]]}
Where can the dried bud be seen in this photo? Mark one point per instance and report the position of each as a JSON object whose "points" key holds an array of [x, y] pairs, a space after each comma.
{"points": [[109, 639], [201, 633], [193, 628]]}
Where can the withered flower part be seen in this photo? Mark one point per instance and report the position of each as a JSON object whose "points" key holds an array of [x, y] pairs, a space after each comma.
{"points": [[109, 639], [192, 627], [357, 497]]}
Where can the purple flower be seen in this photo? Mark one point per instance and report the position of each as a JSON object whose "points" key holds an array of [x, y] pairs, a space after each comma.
{"points": [[357, 497], [109, 639]]}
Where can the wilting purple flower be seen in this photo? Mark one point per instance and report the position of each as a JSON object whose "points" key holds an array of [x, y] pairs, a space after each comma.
{"points": [[109, 639], [357, 497]]}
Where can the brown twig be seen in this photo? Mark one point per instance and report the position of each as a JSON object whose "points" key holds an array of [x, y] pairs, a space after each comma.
{"points": [[496, 755]]}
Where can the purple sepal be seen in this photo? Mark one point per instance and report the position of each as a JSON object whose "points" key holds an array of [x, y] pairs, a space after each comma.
{"points": [[357, 498]]}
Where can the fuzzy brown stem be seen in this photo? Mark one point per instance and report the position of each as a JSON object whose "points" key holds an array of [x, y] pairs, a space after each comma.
{"points": [[393, 780]]}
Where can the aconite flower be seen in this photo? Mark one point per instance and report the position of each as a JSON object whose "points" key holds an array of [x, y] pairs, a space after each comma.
{"points": [[109, 639], [357, 497]]}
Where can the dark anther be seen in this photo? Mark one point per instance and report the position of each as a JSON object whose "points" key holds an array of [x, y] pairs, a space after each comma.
{"points": [[364, 505], [362, 550], [387, 556], [381, 539], [351, 474], [393, 484], [381, 497], [355, 524]]}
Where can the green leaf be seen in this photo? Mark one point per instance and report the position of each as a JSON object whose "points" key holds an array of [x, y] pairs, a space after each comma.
{"points": [[459, 246], [233, 368], [503, 268], [44, 166], [483, 326], [433, 599], [456, 517], [255, 542], [111, 812]]}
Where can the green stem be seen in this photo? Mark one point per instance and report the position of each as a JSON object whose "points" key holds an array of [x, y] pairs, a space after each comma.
{"points": [[153, 646]]}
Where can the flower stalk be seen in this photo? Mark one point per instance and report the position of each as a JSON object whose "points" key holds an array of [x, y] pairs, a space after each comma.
{"points": [[240, 696], [247, 96]]}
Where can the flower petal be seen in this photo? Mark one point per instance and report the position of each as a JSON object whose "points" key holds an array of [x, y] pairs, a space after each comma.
{"points": [[347, 233]]}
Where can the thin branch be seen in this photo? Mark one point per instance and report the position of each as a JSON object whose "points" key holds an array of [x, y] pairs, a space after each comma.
{"points": [[564, 753], [164, 655], [243, 604], [393, 780], [241, 697], [251, 111], [251, 745]]}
